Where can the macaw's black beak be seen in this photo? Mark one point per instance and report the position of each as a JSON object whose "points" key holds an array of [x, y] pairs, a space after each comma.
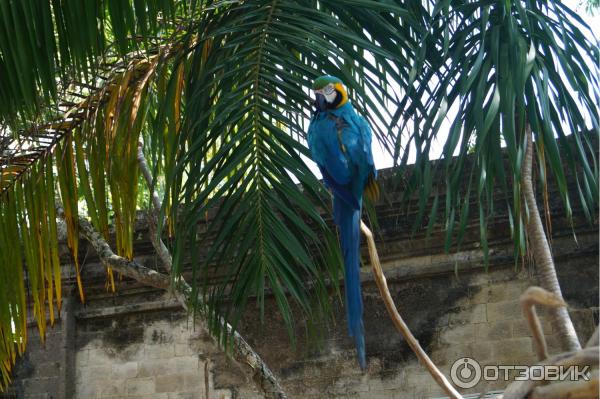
{"points": [[320, 102]]}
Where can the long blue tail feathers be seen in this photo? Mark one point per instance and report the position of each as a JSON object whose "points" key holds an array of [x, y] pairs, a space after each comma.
{"points": [[347, 217]]}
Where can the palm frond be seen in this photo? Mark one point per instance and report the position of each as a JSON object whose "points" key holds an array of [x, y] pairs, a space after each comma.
{"points": [[239, 153], [97, 146], [28, 219], [67, 40], [502, 66]]}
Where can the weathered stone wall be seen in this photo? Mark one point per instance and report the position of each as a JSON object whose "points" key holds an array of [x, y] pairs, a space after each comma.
{"points": [[474, 314], [139, 343], [144, 354]]}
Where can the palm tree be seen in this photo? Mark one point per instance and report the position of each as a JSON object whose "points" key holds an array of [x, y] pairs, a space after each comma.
{"points": [[217, 94], [508, 68]]}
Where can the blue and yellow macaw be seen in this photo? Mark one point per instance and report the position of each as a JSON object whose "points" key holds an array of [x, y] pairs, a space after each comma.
{"points": [[340, 143]]}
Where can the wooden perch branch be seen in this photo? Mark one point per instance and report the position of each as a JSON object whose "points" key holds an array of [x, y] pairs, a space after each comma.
{"points": [[593, 341], [538, 242], [567, 390], [399, 322], [152, 218], [538, 296], [243, 353], [148, 178], [584, 357]]}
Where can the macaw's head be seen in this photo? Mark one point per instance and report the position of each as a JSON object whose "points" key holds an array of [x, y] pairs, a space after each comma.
{"points": [[330, 93]]}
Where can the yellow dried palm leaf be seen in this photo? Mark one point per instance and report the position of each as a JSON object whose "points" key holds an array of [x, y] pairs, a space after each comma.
{"points": [[68, 191]]}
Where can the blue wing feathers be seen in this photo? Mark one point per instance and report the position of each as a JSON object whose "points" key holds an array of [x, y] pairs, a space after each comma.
{"points": [[341, 191]]}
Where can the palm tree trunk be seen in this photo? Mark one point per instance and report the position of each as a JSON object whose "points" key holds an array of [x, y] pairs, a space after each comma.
{"points": [[543, 257]]}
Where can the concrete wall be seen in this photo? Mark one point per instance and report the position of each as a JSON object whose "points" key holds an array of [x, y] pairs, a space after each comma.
{"points": [[140, 344]]}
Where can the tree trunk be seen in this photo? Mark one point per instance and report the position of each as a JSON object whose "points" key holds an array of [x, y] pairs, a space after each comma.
{"points": [[543, 257]]}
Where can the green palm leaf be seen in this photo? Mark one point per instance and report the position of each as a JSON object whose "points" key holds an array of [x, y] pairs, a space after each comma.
{"points": [[239, 150], [40, 41], [505, 66]]}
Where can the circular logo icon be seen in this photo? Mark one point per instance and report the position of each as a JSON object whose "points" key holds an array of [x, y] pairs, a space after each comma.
{"points": [[465, 372]]}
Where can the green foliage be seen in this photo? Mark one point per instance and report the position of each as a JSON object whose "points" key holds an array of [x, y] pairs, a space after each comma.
{"points": [[13, 318], [247, 96], [591, 6], [98, 155], [42, 42], [504, 65]]}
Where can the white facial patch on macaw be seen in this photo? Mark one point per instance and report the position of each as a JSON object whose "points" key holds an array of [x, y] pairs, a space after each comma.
{"points": [[329, 93]]}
